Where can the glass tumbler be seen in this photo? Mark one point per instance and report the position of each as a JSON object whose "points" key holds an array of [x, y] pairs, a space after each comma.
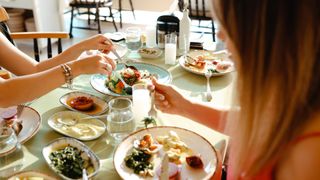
{"points": [[120, 121], [133, 38], [11, 154]]}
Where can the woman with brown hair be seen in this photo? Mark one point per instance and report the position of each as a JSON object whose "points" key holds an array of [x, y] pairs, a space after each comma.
{"points": [[276, 47]]}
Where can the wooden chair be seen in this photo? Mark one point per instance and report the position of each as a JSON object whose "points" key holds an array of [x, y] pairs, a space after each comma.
{"points": [[198, 11], [31, 35], [89, 5]]}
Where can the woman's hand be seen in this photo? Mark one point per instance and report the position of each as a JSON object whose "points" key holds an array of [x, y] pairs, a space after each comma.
{"points": [[168, 99], [94, 64], [97, 42]]}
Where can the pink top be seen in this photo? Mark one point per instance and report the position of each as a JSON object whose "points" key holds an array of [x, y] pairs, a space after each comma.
{"points": [[267, 172]]}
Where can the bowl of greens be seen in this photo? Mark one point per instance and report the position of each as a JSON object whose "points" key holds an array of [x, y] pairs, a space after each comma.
{"points": [[68, 157]]}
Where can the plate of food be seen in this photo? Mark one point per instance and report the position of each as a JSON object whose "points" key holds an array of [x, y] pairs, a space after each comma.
{"points": [[84, 102], [113, 86], [68, 157], [198, 63], [150, 53], [74, 125], [30, 175], [161, 151], [27, 118]]}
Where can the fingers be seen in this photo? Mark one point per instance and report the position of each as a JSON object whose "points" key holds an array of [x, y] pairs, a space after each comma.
{"points": [[110, 61], [161, 102]]}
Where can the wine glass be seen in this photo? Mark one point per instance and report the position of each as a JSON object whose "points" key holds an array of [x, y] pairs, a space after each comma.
{"points": [[11, 154], [120, 121]]}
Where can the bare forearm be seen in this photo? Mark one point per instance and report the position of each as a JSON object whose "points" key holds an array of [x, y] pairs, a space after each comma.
{"points": [[207, 115], [26, 88]]}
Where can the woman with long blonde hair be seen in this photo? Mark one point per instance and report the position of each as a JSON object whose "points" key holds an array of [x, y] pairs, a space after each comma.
{"points": [[276, 48]]}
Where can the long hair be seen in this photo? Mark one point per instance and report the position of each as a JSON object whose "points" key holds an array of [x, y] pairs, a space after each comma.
{"points": [[278, 45]]}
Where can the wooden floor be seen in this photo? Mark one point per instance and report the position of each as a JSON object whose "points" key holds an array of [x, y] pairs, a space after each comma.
{"points": [[143, 19]]}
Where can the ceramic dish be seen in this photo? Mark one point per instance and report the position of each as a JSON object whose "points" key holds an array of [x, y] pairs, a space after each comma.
{"points": [[99, 105], [194, 141], [31, 121], [150, 53], [82, 129], [209, 58], [61, 143], [29, 175], [98, 80]]}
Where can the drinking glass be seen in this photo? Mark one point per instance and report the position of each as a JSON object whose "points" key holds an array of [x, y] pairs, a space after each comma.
{"points": [[120, 121], [11, 154], [133, 38], [141, 100], [170, 48]]}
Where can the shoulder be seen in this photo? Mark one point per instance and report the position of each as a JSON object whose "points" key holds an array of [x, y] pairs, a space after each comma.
{"points": [[302, 160]]}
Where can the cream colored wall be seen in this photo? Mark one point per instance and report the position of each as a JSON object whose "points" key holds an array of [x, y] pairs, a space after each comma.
{"points": [[148, 5]]}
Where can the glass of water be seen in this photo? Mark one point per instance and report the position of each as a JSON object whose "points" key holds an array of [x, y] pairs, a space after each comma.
{"points": [[120, 121], [133, 38], [11, 154]]}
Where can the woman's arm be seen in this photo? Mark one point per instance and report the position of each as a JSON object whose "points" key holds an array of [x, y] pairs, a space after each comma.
{"points": [[25, 88], [19, 63], [169, 100]]}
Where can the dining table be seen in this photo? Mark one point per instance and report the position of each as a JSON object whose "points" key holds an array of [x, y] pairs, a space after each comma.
{"points": [[191, 85]]}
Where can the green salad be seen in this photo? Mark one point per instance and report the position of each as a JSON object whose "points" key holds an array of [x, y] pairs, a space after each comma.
{"points": [[139, 161], [68, 161]]}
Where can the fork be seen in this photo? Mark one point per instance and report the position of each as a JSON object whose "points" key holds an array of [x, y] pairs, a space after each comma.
{"points": [[119, 59], [152, 112], [208, 94]]}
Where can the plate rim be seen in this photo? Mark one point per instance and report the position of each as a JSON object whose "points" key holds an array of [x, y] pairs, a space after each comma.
{"points": [[72, 109], [65, 134], [36, 129], [172, 127], [131, 63], [44, 175]]}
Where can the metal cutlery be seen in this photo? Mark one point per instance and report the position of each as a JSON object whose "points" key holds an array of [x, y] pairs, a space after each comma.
{"points": [[208, 94]]}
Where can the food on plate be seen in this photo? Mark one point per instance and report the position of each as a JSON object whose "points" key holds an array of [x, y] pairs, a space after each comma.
{"points": [[81, 103], [70, 162], [174, 147], [194, 162], [149, 51], [130, 75], [197, 62], [147, 144], [10, 117], [223, 66], [168, 170], [28, 178], [140, 162]]}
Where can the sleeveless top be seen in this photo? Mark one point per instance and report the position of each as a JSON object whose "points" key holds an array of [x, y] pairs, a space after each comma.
{"points": [[267, 173]]}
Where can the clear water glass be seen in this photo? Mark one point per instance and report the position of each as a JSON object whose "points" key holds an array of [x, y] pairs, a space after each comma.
{"points": [[120, 121], [133, 38], [11, 154]]}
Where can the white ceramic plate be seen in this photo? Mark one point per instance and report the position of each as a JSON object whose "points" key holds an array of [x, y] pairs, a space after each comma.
{"points": [[31, 121], [150, 53], [61, 143], [209, 57], [98, 80], [29, 175], [84, 129], [99, 107], [198, 144]]}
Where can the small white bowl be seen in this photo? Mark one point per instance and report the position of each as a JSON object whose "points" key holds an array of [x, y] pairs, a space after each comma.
{"points": [[100, 106], [61, 143], [150, 53]]}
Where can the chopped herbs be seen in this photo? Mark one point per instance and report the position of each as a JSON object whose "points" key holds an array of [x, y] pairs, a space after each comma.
{"points": [[139, 161], [149, 120], [213, 70], [68, 161]]}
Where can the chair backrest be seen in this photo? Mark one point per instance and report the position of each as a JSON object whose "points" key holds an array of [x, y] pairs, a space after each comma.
{"points": [[198, 9], [4, 17]]}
